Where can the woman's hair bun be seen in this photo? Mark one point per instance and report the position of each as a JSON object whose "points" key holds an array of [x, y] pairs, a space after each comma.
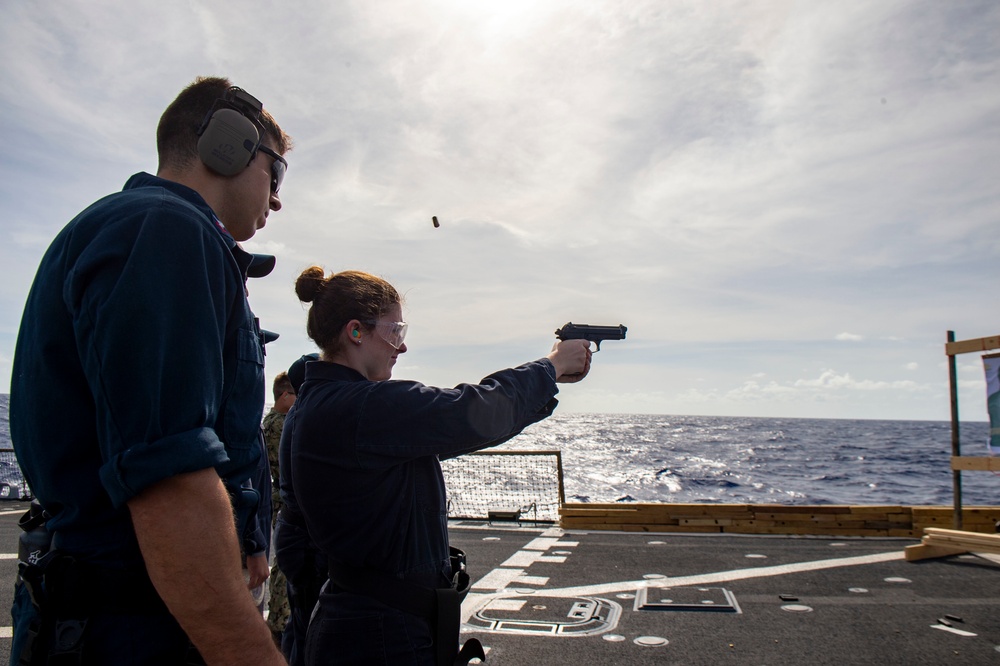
{"points": [[309, 283]]}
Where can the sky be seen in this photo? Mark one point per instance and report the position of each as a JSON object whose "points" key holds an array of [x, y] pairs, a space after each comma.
{"points": [[788, 204]]}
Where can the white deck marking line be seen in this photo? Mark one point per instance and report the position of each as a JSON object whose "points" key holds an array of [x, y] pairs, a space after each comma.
{"points": [[8, 556], [6, 632], [474, 602], [497, 579], [525, 558], [727, 576], [512, 570], [547, 543], [541, 543], [540, 581]]}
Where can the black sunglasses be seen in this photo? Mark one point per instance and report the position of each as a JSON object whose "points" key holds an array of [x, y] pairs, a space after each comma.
{"points": [[278, 167]]}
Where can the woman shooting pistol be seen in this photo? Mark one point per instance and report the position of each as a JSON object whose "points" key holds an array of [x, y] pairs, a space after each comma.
{"points": [[365, 468]]}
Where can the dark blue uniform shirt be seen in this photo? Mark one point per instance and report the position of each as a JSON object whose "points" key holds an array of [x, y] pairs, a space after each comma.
{"points": [[365, 459], [138, 358]]}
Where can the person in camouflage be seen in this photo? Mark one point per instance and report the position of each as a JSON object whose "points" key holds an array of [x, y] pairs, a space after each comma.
{"points": [[284, 397]]}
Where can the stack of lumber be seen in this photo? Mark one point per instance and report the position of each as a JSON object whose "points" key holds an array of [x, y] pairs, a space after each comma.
{"points": [[834, 520], [939, 542]]}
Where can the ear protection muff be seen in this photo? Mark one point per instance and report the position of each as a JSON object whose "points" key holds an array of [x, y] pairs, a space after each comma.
{"points": [[231, 133]]}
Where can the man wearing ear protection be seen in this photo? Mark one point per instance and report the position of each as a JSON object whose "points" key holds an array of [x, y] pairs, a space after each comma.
{"points": [[138, 329]]}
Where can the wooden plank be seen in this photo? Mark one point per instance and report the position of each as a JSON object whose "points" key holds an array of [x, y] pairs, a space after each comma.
{"points": [[814, 525], [885, 517], [938, 531], [962, 535], [823, 530], [790, 508], [616, 520], [879, 508], [964, 544], [594, 515], [707, 506], [697, 529], [811, 517], [620, 520], [922, 551], [628, 527], [742, 515], [976, 463], [594, 512], [840, 524], [693, 511], [705, 521], [918, 510], [835, 520], [973, 345], [933, 521]]}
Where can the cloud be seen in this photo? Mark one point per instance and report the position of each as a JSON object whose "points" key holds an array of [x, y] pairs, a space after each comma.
{"points": [[829, 379], [732, 181]]}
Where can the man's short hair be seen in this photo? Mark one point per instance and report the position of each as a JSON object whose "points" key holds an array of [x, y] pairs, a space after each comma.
{"points": [[281, 385], [177, 133]]}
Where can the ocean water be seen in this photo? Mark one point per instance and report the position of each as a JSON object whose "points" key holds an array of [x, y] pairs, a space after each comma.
{"points": [[662, 458]]}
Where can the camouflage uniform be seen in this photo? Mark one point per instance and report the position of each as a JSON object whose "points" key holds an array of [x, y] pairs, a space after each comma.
{"points": [[277, 608]]}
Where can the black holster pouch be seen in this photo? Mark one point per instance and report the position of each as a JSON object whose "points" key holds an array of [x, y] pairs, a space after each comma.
{"points": [[449, 617], [63, 610], [33, 547], [441, 608], [55, 634]]}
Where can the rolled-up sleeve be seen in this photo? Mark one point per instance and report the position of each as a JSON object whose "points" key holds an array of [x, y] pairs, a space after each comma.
{"points": [[144, 464]]}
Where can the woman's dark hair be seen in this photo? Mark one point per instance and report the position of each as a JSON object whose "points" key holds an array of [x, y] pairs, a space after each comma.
{"points": [[340, 298]]}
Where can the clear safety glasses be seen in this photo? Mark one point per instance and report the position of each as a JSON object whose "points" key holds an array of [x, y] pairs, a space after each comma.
{"points": [[393, 332]]}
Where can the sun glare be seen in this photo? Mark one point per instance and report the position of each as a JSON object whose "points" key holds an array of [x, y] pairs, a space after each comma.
{"points": [[493, 16]]}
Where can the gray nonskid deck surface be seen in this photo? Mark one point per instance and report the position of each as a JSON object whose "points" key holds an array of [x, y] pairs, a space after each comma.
{"points": [[546, 597], [554, 597]]}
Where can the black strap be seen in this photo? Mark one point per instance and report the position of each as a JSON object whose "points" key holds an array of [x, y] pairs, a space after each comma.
{"points": [[33, 517], [472, 649]]}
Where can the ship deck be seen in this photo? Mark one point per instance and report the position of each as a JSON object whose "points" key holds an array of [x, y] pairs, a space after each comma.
{"points": [[550, 596], [543, 595]]}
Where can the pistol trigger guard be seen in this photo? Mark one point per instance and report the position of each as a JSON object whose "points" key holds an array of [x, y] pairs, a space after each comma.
{"points": [[598, 343]]}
